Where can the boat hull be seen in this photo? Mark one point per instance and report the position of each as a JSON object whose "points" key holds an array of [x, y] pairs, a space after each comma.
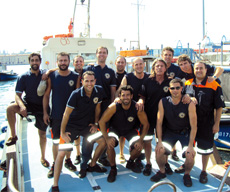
{"points": [[7, 76]]}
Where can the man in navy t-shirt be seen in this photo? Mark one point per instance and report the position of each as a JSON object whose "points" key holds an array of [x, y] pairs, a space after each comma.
{"points": [[31, 102]]}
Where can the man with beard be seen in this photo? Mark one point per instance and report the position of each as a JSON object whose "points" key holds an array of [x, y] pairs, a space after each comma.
{"points": [[154, 88], [105, 77], [31, 103], [135, 80], [62, 82], [120, 72], [123, 122]]}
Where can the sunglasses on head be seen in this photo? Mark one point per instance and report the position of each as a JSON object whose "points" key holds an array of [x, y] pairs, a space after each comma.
{"points": [[177, 88]]}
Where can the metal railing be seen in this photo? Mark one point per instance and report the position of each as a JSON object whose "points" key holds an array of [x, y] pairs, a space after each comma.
{"points": [[162, 183], [10, 176]]}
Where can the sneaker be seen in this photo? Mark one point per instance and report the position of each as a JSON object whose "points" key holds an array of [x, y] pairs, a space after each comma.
{"points": [[82, 173], [148, 169], [158, 176], [104, 162], [77, 160], [203, 177], [55, 189], [175, 157], [96, 168], [112, 175], [122, 159], [180, 169], [132, 165], [187, 180], [139, 163], [51, 172], [168, 169], [11, 141], [69, 165]]}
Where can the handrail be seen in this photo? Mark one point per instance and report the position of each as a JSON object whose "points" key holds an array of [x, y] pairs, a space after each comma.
{"points": [[223, 179], [162, 183], [10, 177]]}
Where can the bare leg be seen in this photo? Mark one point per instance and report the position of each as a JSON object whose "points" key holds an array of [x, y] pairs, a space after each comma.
{"points": [[121, 145], [11, 117], [148, 151], [205, 162], [111, 155], [161, 160], [77, 144], [42, 142], [55, 151], [189, 163], [58, 166], [99, 150]]}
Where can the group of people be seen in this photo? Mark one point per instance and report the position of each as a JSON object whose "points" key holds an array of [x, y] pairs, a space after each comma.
{"points": [[173, 103]]}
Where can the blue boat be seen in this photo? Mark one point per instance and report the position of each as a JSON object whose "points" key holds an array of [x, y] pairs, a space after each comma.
{"points": [[7, 75]]}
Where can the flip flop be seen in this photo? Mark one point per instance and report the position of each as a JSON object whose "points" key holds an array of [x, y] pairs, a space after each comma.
{"points": [[45, 163]]}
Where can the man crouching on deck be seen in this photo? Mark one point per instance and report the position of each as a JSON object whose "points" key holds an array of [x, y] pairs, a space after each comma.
{"points": [[81, 119], [123, 122], [180, 124]]}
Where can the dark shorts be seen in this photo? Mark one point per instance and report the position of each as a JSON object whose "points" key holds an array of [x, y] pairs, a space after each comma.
{"points": [[75, 133], [170, 138], [55, 131], [205, 140], [132, 136], [36, 111]]}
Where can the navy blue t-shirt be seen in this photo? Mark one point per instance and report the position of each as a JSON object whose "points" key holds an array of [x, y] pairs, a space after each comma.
{"points": [[135, 83], [104, 77], [176, 117], [84, 107], [173, 70], [28, 82], [153, 92], [62, 87], [119, 77], [125, 120]]}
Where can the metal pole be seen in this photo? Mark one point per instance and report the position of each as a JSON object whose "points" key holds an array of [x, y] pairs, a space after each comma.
{"points": [[221, 56], [138, 24], [203, 21], [74, 14], [88, 31]]}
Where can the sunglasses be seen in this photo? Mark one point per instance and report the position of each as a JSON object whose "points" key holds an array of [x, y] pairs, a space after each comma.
{"points": [[177, 88]]}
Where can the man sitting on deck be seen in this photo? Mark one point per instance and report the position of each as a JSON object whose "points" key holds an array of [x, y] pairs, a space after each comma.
{"points": [[178, 118], [31, 102], [81, 119], [123, 123]]}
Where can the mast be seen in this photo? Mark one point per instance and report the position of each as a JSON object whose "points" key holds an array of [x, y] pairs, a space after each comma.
{"points": [[138, 24], [88, 20], [203, 21]]}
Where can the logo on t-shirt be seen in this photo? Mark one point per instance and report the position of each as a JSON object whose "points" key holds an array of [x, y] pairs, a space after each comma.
{"points": [[172, 74], [71, 83], [130, 119], [181, 115], [95, 100], [166, 88], [107, 75]]}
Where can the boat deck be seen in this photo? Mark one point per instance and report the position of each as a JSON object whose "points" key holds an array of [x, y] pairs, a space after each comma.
{"points": [[35, 175]]}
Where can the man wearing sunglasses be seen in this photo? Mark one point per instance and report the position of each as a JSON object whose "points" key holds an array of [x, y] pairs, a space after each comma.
{"points": [[180, 124]]}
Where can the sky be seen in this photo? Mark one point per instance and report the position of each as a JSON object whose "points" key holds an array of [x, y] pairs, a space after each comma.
{"points": [[24, 23]]}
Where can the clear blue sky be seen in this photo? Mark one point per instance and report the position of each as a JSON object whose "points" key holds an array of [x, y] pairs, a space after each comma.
{"points": [[24, 23]]}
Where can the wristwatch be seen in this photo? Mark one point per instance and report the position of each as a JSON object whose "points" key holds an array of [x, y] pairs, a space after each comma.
{"points": [[96, 124], [215, 77]]}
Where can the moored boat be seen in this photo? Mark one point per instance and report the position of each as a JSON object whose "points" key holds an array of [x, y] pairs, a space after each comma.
{"points": [[7, 75]]}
